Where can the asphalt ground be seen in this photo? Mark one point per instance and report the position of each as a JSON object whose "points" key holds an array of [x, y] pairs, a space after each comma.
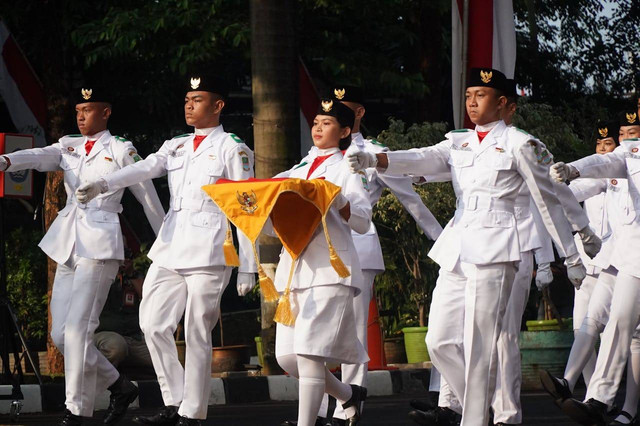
{"points": [[538, 409]]}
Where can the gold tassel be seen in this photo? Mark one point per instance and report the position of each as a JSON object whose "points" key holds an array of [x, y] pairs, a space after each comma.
{"points": [[284, 313], [335, 260], [230, 254], [267, 287], [337, 263]]}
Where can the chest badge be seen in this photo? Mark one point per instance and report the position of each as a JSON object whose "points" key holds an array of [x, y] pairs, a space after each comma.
{"points": [[248, 202], [634, 150], [614, 181], [109, 159], [179, 146], [70, 149], [498, 149], [212, 157], [464, 145]]}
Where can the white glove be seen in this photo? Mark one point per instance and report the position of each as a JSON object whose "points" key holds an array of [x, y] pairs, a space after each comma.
{"points": [[561, 172], [590, 241], [340, 201], [91, 190], [544, 276], [4, 164], [360, 160], [245, 282], [576, 272]]}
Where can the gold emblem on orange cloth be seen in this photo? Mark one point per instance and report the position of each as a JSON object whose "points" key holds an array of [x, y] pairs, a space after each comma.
{"points": [[248, 202], [486, 76]]}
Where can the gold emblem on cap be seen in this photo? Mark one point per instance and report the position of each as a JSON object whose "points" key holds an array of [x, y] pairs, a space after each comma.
{"points": [[327, 105], [604, 132], [195, 83], [86, 94], [339, 93], [486, 76], [631, 118]]}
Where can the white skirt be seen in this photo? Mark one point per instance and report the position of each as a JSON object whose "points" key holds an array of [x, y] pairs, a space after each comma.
{"points": [[325, 326]]}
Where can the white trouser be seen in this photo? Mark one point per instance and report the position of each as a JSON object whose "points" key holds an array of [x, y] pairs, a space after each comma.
{"points": [[469, 301], [506, 401], [593, 323], [80, 290], [355, 374], [166, 296], [616, 339], [434, 380], [446, 399], [581, 299]]}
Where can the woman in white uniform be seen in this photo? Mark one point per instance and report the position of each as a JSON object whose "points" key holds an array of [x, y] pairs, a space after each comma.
{"points": [[325, 329]]}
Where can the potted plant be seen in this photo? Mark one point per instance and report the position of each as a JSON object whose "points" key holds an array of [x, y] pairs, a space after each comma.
{"points": [[229, 358]]}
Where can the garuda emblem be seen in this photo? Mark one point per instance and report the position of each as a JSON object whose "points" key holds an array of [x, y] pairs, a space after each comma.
{"points": [[486, 76], [603, 132], [248, 202], [86, 94], [339, 93], [631, 118], [327, 105], [195, 83]]}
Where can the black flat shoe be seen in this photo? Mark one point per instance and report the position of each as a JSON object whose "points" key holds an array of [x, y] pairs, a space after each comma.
{"points": [[70, 419], [167, 416], [557, 387], [591, 412], [438, 416], [358, 395]]}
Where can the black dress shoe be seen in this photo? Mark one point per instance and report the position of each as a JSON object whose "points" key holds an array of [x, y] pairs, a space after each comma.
{"points": [[358, 395], [421, 405], [185, 421], [439, 416], [167, 416], [591, 412], [556, 387], [633, 421], [123, 393], [70, 419]]}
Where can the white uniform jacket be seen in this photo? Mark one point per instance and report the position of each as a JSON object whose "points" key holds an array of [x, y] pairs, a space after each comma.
{"points": [[194, 229], [313, 267], [623, 162], [487, 178], [88, 230], [592, 192]]}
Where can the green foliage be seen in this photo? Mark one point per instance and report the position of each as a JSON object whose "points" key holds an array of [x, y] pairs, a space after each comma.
{"points": [[142, 262], [27, 281], [410, 275]]}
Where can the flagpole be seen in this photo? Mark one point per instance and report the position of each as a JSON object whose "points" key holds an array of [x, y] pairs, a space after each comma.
{"points": [[465, 61]]}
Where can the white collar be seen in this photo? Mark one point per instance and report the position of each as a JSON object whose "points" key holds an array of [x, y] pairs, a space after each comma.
{"points": [[206, 131], [328, 151], [487, 127], [357, 138], [96, 136]]}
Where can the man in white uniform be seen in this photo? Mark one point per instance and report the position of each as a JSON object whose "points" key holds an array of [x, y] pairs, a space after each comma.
{"points": [[189, 273], [623, 162], [478, 250], [85, 241]]}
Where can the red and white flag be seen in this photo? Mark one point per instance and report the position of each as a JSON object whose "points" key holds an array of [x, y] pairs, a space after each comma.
{"points": [[490, 42], [21, 90]]}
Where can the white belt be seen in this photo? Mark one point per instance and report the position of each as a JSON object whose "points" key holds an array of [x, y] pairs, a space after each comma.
{"points": [[475, 203], [105, 205], [179, 203]]}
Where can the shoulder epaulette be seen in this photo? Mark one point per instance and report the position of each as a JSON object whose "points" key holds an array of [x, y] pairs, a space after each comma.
{"points": [[121, 139], [304, 163], [181, 136], [461, 131], [236, 138], [377, 142], [522, 131], [74, 136]]}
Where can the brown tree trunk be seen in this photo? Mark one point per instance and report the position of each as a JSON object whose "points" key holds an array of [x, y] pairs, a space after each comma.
{"points": [[276, 121]]}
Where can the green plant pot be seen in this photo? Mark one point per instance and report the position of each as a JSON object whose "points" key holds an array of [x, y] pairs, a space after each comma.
{"points": [[415, 345], [543, 350], [548, 325], [258, 340]]}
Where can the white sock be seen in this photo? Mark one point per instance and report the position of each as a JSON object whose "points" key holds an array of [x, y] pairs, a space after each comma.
{"points": [[581, 350]]}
